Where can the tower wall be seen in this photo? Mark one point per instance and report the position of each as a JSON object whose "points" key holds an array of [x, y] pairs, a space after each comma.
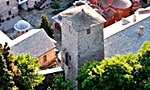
{"points": [[90, 46], [70, 50]]}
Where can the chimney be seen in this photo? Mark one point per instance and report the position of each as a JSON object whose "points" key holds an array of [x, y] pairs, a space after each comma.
{"points": [[140, 31], [134, 18]]}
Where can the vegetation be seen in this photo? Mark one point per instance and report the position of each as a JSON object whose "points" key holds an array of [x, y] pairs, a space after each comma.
{"points": [[18, 72], [6, 74], [121, 72], [61, 84], [55, 5], [45, 24]]}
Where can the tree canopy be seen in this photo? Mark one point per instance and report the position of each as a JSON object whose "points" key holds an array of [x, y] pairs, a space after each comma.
{"points": [[18, 71], [121, 72], [61, 84], [45, 24]]}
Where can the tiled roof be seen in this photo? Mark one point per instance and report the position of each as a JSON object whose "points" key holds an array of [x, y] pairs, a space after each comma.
{"points": [[36, 42], [83, 17], [121, 4], [109, 13], [120, 39]]}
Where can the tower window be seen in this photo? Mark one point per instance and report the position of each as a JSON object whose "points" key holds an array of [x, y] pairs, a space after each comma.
{"points": [[7, 2], [66, 56], [44, 58], [88, 31], [9, 12]]}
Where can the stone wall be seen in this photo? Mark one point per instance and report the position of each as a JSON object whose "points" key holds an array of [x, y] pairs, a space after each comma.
{"points": [[90, 46], [80, 46], [31, 3], [127, 40], [8, 9], [69, 50]]}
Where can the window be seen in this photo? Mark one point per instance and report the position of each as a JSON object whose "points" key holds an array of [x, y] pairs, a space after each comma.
{"points": [[35, 2], [9, 12], [44, 58], [88, 31], [66, 56], [7, 2], [69, 57]]}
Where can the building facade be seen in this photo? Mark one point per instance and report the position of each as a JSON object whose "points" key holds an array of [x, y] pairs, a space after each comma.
{"points": [[82, 38], [8, 9]]}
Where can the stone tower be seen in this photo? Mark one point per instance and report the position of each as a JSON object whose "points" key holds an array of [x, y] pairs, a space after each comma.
{"points": [[82, 38]]}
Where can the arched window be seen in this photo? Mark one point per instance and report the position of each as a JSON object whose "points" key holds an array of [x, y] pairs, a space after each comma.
{"points": [[7, 2], [44, 58]]}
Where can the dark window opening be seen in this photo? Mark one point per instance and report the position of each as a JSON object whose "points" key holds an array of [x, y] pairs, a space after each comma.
{"points": [[44, 58], [2, 20], [69, 57], [7, 18], [7, 2], [35, 2], [9, 12], [88, 31], [66, 56]]}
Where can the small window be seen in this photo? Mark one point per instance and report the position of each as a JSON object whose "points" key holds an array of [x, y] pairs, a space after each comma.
{"points": [[88, 31], [66, 56], [69, 57], [9, 12], [35, 2], [7, 2], [44, 58]]}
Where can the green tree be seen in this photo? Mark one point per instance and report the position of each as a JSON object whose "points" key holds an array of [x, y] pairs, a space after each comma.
{"points": [[18, 71], [143, 78], [121, 72], [83, 72], [55, 5], [28, 76], [45, 24], [6, 74], [61, 84]]}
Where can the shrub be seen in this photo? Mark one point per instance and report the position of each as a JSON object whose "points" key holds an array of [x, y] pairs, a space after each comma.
{"points": [[55, 5]]}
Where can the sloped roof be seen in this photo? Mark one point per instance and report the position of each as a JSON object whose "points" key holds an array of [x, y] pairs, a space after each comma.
{"points": [[83, 17], [4, 38], [36, 42], [124, 39], [109, 13], [121, 4]]}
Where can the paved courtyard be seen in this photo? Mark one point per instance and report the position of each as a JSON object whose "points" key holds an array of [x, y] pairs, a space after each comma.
{"points": [[33, 16]]}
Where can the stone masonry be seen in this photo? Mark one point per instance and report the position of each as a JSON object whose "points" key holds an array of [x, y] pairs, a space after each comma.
{"points": [[8, 9], [82, 38]]}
